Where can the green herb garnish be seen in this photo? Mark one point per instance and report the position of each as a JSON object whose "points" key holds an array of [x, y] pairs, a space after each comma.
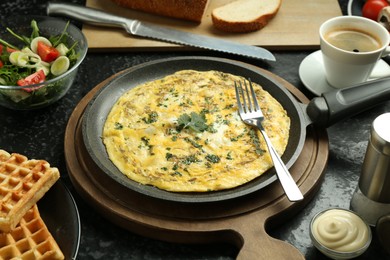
{"points": [[118, 126], [152, 118], [256, 142], [213, 158], [194, 121]]}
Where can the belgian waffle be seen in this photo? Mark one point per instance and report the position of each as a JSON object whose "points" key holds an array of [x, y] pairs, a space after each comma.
{"points": [[22, 183], [29, 240]]}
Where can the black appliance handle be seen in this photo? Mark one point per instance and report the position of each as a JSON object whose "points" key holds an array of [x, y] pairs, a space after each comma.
{"points": [[339, 104]]}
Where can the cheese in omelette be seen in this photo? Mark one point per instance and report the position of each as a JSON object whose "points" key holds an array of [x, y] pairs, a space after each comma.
{"points": [[183, 133]]}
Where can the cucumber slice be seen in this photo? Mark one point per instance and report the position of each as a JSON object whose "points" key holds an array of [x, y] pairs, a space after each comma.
{"points": [[62, 49], [60, 66]]}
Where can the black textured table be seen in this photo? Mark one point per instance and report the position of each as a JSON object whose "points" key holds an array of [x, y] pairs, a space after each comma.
{"points": [[40, 134]]}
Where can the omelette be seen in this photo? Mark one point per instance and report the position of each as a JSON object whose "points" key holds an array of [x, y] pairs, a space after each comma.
{"points": [[183, 133]]}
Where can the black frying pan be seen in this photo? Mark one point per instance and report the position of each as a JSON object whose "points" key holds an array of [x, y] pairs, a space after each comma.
{"points": [[322, 111]]}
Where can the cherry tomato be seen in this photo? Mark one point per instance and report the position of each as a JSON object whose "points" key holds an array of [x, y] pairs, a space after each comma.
{"points": [[46, 52], [372, 8], [7, 49], [10, 50], [34, 78]]}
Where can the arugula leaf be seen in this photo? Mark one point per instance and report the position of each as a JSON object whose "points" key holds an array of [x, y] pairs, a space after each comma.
{"points": [[194, 121], [55, 40], [35, 30]]}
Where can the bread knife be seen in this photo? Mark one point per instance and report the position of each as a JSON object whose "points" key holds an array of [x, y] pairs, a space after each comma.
{"points": [[148, 30]]}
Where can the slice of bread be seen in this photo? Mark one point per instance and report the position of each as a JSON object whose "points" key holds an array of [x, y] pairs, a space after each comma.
{"points": [[181, 9], [245, 15]]}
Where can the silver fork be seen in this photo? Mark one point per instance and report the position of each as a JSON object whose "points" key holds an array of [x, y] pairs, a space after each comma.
{"points": [[251, 114]]}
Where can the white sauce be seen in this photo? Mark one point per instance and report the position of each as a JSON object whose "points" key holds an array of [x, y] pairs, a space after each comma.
{"points": [[340, 230]]}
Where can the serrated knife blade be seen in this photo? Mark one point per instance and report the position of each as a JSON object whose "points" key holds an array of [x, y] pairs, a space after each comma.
{"points": [[148, 30]]}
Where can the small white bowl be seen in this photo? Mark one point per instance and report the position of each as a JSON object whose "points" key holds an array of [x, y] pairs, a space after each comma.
{"points": [[339, 233]]}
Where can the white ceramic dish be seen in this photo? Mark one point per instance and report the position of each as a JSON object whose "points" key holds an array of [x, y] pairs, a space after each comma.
{"points": [[311, 72]]}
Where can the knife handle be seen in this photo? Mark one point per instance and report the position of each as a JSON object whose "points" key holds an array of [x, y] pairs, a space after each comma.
{"points": [[91, 16]]}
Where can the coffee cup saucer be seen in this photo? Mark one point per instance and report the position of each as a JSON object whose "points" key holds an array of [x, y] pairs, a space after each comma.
{"points": [[312, 74]]}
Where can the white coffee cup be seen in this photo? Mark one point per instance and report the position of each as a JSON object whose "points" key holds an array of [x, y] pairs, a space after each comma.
{"points": [[344, 68]]}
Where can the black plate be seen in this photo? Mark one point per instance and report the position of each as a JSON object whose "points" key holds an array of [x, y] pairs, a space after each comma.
{"points": [[99, 107], [355, 7], [60, 214]]}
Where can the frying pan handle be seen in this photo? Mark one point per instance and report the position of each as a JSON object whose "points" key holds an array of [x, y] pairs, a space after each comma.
{"points": [[339, 104]]}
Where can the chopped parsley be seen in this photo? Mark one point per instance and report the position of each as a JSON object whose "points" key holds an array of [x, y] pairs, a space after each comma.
{"points": [[213, 158], [229, 156], [152, 118], [176, 173], [194, 144], [118, 126], [256, 141], [190, 159], [146, 143], [168, 156]]}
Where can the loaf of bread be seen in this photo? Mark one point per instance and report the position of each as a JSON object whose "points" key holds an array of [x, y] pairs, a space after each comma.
{"points": [[245, 15], [191, 10]]}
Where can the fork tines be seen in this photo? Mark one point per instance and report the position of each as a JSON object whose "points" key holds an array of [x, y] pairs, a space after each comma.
{"points": [[249, 99]]}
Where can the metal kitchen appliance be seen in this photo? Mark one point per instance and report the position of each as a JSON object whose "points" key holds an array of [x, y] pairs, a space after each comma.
{"points": [[371, 199]]}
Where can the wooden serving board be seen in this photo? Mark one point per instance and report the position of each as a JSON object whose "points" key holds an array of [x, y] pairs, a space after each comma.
{"points": [[294, 27], [242, 221]]}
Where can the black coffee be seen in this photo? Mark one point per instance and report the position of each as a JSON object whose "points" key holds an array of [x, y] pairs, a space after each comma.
{"points": [[353, 40]]}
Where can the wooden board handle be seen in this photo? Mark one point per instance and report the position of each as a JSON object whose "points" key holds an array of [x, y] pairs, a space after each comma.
{"points": [[257, 244]]}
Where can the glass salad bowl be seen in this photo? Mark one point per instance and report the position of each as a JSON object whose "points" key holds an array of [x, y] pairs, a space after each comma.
{"points": [[39, 59]]}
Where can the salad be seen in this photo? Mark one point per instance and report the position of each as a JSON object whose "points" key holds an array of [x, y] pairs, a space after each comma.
{"points": [[35, 60]]}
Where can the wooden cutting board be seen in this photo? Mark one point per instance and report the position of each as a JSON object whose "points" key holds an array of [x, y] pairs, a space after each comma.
{"points": [[242, 222], [295, 27]]}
